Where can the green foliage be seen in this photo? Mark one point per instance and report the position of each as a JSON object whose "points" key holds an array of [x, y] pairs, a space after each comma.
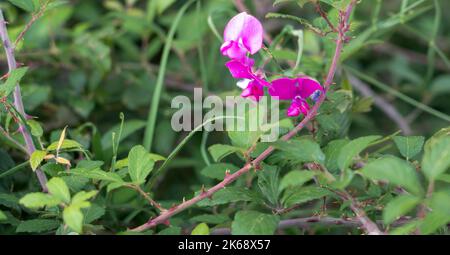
{"points": [[254, 223]]}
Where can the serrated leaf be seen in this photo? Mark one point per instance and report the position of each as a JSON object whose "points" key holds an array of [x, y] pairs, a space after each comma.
{"points": [[301, 150], [97, 174], [81, 197], [66, 144], [254, 223], [37, 225], [3, 216], [58, 188], [228, 195], [36, 158], [200, 229], [211, 218], [38, 200], [26, 5], [296, 178], [217, 170], [352, 149], [395, 171], [399, 206], [220, 151], [140, 164], [73, 217], [332, 151], [303, 195], [409, 146], [268, 183], [436, 158], [93, 213], [14, 77], [35, 127]]}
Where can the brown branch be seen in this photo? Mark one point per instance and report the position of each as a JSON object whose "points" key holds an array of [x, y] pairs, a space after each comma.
{"points": [[146, 196], [369, 226], [308, 221], [18, 104], [165, 216], [325, 17], [34, 18]]}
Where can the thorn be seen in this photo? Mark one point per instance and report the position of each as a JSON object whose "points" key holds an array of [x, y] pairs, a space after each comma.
{"points": [[167, 223], [174, 206], [227, 173]]}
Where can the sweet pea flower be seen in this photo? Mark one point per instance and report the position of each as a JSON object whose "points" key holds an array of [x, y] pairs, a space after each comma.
{"points": [[243, 34], [251, 82], [297, 90]]}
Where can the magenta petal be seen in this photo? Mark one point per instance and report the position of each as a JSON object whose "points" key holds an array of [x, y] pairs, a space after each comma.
{"points": [[238, 70], [298, 106], [245, 29], [308, 87], [252, 34], [284, 88], [233, 50], [254, 90]]}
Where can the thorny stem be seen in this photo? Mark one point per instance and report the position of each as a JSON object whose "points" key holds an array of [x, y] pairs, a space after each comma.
{"points": [[165, 216], [9, 50], [147, 197], [31, 22], [325, 16], [308, 221]]}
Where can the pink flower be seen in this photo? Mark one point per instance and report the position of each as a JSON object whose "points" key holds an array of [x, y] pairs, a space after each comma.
{"points": [[251, 82], [297, 90], [243, 33]]}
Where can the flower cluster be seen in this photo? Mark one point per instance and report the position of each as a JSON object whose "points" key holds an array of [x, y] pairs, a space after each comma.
{"points": [[243, 36]]}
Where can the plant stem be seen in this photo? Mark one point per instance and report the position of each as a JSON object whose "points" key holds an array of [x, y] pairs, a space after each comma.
{"points": [[153, 112], [165, 216], [9, 50]]}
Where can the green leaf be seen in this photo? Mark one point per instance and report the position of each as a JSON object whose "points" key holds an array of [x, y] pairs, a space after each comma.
{"points": [[58, 188], [303, 195], [200, 229], [97, 174], [37, 225], [268, 183], [352, 149], [409, 146], [66, 144], [170, 231], [399, 206], [395, 171], [220, 151], [436, 158], [26, 5], [217, 170], [3, 216], [211, 218], [228, 195], [81, 197], [254, 223], [93, 213], [37, 200], [441, 85], [73, 217], [140, 164], [14, 77], [301, 150], [35, 127], [332, 151], [296, 178], [36, 158]]}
